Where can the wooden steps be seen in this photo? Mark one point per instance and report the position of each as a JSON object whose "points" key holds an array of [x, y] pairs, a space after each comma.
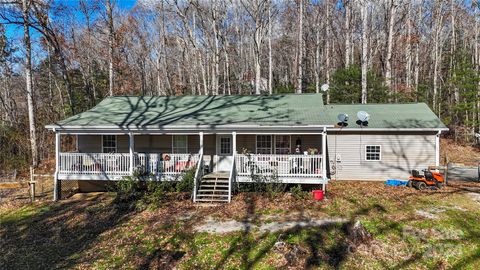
{"points": [[213, 187]]}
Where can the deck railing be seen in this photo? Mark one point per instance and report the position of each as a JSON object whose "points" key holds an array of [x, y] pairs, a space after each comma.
{"points": [[118, 164], [279, 165]]}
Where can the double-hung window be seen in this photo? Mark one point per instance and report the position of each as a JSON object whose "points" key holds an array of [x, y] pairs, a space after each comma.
{"points": [[109, 143], [264, 144], [373, 152], [282, 144], [179, 144], [276, 144]]}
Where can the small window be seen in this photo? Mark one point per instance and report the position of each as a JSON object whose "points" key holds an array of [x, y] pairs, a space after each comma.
{"points": [[373, 152], [179, 144], [109, 143], [282, 144], [225, 146], [264, 144]]}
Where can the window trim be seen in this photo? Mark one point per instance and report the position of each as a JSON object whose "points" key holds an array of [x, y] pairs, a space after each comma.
{"points": [[271, 143], [289, 148], [116, 143], [379, 153], [230, 152], [186, 144]]}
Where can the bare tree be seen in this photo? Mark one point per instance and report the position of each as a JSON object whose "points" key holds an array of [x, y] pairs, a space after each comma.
{"points": [[300, 48], [364, 61], [111, 44], [28, 78], [388, 60]]}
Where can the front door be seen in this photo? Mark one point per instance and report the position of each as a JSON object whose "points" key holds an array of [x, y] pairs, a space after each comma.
{"points": [[224, 158]]}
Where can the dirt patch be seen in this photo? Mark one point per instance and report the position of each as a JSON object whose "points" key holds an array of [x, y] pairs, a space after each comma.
{"points": [[214, 226]]}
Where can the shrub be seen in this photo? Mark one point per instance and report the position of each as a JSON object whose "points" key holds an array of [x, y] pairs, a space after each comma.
{"points": [[128, 189], [186, 184], [298, 192]]}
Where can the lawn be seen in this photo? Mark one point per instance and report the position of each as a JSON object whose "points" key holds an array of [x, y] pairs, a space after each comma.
{"points": [[410, 229]]}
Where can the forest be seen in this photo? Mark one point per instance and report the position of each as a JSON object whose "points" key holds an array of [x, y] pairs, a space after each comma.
{"points": [[59, 58]]}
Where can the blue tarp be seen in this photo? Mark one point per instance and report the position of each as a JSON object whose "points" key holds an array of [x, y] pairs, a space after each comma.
{"points": [[394, 182]]}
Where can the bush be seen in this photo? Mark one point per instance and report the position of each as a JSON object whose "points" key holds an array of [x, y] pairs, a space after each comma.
{"points": [[298, 192], [127, 189], [186, 184]]}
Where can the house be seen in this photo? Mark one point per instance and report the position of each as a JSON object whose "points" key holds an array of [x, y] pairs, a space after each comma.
{"points": [[286, 138]]}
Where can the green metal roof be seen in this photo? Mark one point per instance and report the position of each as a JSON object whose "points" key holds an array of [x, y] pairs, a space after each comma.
{"points": [[396, 116], [211, 111], [289, 110]]}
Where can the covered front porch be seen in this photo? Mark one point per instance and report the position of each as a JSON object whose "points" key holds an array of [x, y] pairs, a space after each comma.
{"points": [[297, 158]]}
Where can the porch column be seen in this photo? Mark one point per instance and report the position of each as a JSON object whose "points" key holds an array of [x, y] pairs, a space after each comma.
{"points": [[200, 134], [437, 148], [131, 146], [234, 142], [57, 166], [324, 157]]}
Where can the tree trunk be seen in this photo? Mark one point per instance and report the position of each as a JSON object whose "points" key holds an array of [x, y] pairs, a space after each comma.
{"points": [[300, 48], [110, 46], [270, 71], [327, 48], [436, 53], [408, 48], [347, 32], [317, 54], [364, 11], [417, 52], [28, 77], [388, 64]]}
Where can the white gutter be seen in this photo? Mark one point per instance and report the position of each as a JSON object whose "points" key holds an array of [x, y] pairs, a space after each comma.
{"points": [[184, 128], [367, 129]]}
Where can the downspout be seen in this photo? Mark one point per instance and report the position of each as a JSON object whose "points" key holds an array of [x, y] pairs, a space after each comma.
{"points": [[57, 166], [437, 148], [324, 158]]}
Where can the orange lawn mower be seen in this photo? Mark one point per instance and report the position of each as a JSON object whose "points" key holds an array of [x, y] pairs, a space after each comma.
{"points": [[430, 179]]}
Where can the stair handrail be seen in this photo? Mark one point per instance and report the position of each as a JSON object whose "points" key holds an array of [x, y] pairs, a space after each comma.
{"points": [[230, 178], [198, 175]]}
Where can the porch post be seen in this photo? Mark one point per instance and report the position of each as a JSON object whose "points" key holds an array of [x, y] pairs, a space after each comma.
{"points": [[200, 134], [57, 166], [131, 146], [437, 148], [234, 142], [324, 158]]}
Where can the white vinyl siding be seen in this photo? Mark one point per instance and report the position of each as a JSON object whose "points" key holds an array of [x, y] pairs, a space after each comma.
{"points": [[400, 153]]}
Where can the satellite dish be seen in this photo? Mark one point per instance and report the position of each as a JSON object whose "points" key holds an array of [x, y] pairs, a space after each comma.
{"points": [[343, 117], [363, 116], [325, 87]]}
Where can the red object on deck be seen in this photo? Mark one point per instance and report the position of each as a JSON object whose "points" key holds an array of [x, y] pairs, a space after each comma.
{"points": [[318, 195]]}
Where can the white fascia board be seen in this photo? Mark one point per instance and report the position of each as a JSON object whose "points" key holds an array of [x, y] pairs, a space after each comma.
{"points": [[243, 129], [386, 129]]}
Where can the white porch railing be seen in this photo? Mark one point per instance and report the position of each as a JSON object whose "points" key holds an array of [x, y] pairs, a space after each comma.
{"points": [[118, 164], [279, 165], [169, 164], [94, 163]]}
